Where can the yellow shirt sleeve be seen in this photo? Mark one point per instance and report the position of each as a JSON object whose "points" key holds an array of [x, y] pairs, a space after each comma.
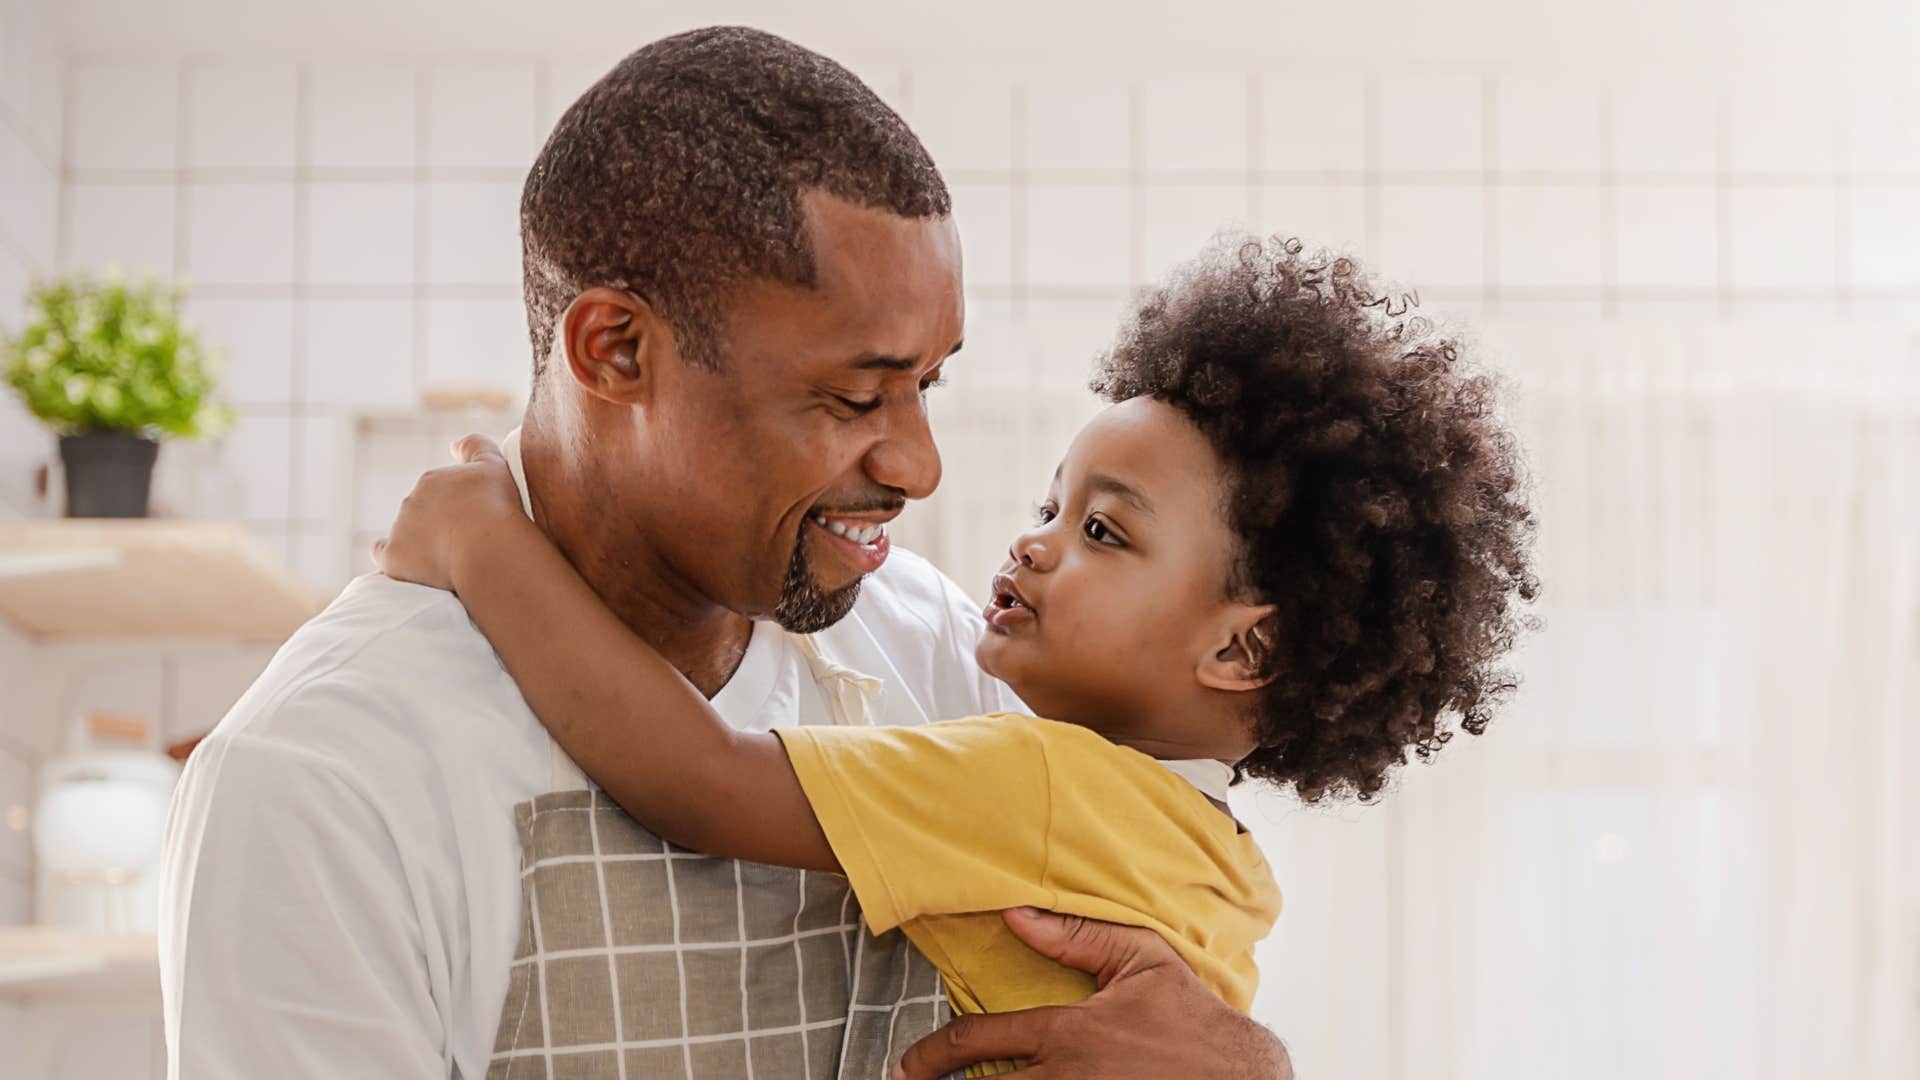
{"points": [[931, 820]]}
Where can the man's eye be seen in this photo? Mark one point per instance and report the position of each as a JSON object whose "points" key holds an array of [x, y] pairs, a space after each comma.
{"points": [[933, 384], [857, 405]]}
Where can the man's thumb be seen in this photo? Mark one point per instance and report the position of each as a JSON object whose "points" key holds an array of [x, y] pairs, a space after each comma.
{"points": [[1104, 950]]}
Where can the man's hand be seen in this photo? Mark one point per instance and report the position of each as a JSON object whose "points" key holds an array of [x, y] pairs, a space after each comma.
{"points": [[1152, 1017]]}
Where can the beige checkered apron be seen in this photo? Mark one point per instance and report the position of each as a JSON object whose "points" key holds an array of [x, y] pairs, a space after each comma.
{"points": [[639, 960]]}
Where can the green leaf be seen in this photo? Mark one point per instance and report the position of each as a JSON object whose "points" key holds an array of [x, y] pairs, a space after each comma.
{"points": [[99, 354]]}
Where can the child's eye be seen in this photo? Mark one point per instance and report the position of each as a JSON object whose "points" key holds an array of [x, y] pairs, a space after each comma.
{"points": [[1098, 532], [1042, 513]]}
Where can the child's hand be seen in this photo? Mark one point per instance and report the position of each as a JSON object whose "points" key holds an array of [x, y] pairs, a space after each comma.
{"points": [[450, 509]]}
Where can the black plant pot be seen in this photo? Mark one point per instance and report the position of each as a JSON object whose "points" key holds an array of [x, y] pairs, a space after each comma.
{"points": [[109, 473]]}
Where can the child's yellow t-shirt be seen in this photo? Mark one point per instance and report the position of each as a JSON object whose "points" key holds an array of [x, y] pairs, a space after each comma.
{"points": [[941, 826]]}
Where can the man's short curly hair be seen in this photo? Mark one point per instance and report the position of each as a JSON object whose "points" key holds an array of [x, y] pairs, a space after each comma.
{"points": [[681, 172], [1376, 498]]}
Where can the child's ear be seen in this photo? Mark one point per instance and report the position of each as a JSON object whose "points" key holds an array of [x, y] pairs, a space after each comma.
{"points": [[1245, 656]]}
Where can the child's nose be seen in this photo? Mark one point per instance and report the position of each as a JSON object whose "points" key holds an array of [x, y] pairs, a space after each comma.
{"points": [[1030, 550]]}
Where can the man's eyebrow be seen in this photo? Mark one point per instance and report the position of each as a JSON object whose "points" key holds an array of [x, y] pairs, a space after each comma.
{"points": [[874, 362], [1102, 483]]}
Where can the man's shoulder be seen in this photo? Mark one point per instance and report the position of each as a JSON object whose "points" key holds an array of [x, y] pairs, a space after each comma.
{"points": [[387, 668]]}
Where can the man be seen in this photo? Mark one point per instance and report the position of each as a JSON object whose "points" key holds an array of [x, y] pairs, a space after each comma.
{"points": [[741, 279]]}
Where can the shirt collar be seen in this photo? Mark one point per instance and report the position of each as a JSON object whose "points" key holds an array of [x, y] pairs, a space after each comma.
{"points": [[510, 449], [1211, 776]]}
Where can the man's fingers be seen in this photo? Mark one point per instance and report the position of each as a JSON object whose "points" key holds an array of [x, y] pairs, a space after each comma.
{"points": [[979, 1037], [1102, 949], [477, 448]]}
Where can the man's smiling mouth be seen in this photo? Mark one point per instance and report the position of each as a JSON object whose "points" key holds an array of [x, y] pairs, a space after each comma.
{"points": [[859, 532]]}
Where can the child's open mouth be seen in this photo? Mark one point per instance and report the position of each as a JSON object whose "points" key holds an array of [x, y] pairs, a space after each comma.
{"points": [[1008, 608]]}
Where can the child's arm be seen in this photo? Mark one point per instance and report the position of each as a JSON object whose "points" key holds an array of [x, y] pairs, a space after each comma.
{"points": [[629, 718]]}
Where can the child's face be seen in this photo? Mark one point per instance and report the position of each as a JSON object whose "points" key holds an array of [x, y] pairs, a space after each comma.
{"points": [[1112, 611]]}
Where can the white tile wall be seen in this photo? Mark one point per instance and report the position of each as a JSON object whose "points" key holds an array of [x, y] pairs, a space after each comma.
{"points": [[965, 118], [1778, 128], [1313, 123], [1432, 122], [129, 225], [239, 233], [1664, 126], [1079, 236], [478, 342], [984, 215], [1194, 124], [473, 233], [1550, 236], [1549, 124], [360, 233], [563, 79], [361, 116], [258, 454], [1078, 122], [481, 115], [29, 192], [1667, 237], [359, 354], [1331, 215], [1180, 220], [122, 115], [1883, 236], [255, 337], [1783, 238], [1433, 235], [1883, 130], [240, 115]]}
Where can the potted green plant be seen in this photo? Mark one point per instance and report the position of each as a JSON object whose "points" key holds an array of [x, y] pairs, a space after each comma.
{"points": [[110, 367]]}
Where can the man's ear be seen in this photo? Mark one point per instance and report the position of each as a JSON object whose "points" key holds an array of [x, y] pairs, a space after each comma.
{"points": [[1244, 656], [614, 342]]}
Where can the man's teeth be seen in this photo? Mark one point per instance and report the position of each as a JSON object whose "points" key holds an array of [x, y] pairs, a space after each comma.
{"points": [[859, 534]]}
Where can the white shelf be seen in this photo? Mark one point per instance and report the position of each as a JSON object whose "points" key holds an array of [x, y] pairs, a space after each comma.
{"points": [[146, 578], [47, 966]]}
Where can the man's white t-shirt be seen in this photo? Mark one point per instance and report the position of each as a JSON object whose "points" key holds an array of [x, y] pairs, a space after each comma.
{"points": [[340, 891]]}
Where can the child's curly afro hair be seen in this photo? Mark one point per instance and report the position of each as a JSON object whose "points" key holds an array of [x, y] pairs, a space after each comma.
{"points": [[1377, 499]]}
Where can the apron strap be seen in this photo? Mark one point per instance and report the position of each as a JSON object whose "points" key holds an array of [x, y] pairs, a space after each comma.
{"points": [[851, 696], [562, 773]]}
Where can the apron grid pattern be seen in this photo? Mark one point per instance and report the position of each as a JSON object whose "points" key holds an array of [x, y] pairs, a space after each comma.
{"points": [[642, 961]]}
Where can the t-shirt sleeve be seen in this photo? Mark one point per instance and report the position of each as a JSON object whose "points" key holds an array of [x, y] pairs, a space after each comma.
{"points": [[290, 944], [938, 819]]}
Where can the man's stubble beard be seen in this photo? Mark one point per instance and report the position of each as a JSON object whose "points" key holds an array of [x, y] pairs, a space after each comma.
{"points": [[804, 606]]}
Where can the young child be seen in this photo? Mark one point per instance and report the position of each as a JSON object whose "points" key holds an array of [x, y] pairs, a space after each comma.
{"points": [[1289, 550]]}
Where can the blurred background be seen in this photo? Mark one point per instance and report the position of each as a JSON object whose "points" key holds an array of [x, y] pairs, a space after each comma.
{"points": [[1688, 235]]}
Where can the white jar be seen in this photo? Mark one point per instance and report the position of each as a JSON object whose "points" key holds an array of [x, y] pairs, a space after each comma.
{"points": [[97, 836]]}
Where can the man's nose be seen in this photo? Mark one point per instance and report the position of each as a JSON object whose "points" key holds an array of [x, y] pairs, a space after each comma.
{"points": [[906, 459]]}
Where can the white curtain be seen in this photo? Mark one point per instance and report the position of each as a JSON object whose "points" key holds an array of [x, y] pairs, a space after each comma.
{"points": [[1688, 848]]}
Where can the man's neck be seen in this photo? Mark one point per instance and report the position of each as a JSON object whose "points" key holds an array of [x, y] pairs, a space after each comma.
{"points": [[704, 640]]}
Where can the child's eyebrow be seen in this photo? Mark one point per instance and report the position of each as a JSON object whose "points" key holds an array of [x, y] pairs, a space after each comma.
{"points": [[1101, 483]]}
